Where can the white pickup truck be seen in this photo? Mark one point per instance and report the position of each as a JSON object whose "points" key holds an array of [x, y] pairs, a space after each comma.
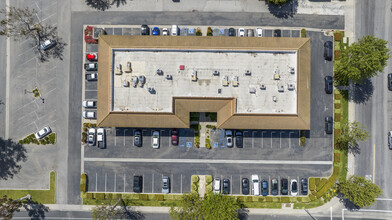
{"points": [[101, 138]]}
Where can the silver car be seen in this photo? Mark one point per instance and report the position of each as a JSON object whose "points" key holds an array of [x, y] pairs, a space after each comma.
{"points": [[165, 185], [390, 140], [91, 137], [43, 132]]}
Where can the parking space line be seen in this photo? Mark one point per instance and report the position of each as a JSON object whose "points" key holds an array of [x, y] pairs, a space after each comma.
{"points": [[240, 184], [25, 51], [143, 182], [171, 183], [115, 137], [48, 17], [280, 139], [37, 6], [152, 183], [106, 176], [253, 139], [96, 182], [244, 141], [269, 183], [271, 137], [25, 63], [181, 185], [262, 139], [115, 182], [124, 135], [231, 182], [124, 182]]}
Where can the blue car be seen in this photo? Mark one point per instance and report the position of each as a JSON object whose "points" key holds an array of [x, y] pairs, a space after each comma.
{"points": [[264, 188], [155, 31]]}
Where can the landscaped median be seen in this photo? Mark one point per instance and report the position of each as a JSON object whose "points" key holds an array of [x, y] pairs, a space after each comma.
{"points": [[50, 139], [39, 196]]}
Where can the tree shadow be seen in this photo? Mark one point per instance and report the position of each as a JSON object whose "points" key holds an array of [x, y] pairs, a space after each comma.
{"points": [[35, 209], [101, 5], [361, 92], [130, 212], [11, 153], [56, 52], [243, 214], [347, 203], [355, 150], [119, 2], [287, 10]]}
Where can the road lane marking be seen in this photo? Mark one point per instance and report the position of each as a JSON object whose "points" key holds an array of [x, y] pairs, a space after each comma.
{"points": [[207, 161], [115, 184], [96, 182], [124, 182], [374, 162]]}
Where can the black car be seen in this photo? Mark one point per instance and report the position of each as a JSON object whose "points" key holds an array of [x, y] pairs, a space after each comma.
{"points": [[245, 186], [238, 139], [231, 32], [390, 82], [226, 186], [264, 188], [137, 184], [328, 125], [328, 84], [137, 138], [284, 186], [274, 186], [277, 33], [328, 50], [304, 186], [145, 30]]}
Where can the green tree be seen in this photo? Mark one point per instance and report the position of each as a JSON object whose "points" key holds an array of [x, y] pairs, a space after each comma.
{"points": [[360, 191], [362, 60], [278, 2], [213, 206], [350, 134], [8, 206]]}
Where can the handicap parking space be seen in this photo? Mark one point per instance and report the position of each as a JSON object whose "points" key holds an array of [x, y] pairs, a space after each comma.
{"points": [[218, 139], [186, 137]]}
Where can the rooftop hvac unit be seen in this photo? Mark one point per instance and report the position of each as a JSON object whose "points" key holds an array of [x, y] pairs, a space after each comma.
{"points": [[235, 81], [151, 90], [291, 86], [159, 72], [118, 69], [262, 86], [129, 68], [274, 99], [280, 89], [169, 77], [215, 73], [125, 83], [248, 73], [252, 90], [219, 91], [291, 70]]}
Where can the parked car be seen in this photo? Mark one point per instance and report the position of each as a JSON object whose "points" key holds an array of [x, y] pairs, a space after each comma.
{"points": [[251, 33], [43, 132], [390, 140], [137, 184], [229, 138], [226, 186], [174, 136], [216, 186], [390, 82], [155, 31], [137, 138], [231, 32], [165, 32], [101, 138], [145, 30], [256, 185], [91, 66], [155, 139], [304, 186], [91, 137], [264, 188], [274, 186], [294, 187], [165, 185], [92, 56], [174, 30], [284, 186], [46, 45], [328, 125], [328, 84], [277, 33], [91, 76], [238, 139], [328, 50], [245, 186], [241, 32], [89, 115], [89, 104], [259, 32]]}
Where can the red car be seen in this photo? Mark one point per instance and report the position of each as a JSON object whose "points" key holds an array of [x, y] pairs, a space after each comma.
{"points": [[92, 56], [174, 136]]}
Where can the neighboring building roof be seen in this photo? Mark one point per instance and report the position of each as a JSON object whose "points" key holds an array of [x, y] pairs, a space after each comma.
{"points": [[182, 106]]}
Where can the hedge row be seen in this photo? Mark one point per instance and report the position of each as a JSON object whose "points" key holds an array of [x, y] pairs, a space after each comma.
{"points": [[83, 182], [323, 189], [133, 196], [50, 139]]}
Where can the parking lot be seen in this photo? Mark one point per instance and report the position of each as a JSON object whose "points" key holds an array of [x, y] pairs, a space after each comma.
{"points": [[268, 153]]}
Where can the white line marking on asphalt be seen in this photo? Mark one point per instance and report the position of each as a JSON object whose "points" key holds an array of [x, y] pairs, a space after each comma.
{"points": [[271, 137], [374, 162], [152, 183], [23, 64], [253, 139], [115, 137], [50, 91], [171, 183], [37, 6], [96, 182], [48, 17], [124, 182], [262, 139], [181, 184], [330, 208], [240, 183], [105, 180], [124, 135], [244, 137], [143, 183], [231, 183], [384, 199], [38, 18], [208, 161], [25, 51], [290, 138], [25, 106], [280, 139]]}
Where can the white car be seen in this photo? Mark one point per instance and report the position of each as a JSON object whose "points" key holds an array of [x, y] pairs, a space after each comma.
{"points": [[48, 44], [241, 32], [229, 138], [43, 132], [91, 137], [155, 139], [165, 32], [89, 104], [89, 115], [216, 186], [256, 185], [294, 187], [259, 32]]}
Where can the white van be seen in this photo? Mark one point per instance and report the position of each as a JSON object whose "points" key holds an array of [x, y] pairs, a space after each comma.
{"points": [[174, 30], [216, 186], [256, 185]]}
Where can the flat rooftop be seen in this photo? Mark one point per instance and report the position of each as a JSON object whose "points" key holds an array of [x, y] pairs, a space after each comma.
{"points": [[262, 82], [274, 94]]}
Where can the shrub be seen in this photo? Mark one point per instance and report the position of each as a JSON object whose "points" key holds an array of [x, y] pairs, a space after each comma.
{"points": [[208, 144], [338, 96], [209, 31], [143, 197], [317, 181], [194, 188], [331, 181], [84, 137], [337, 117], [293, 199], [108, 196], [312, 184], [338, 105], [302, 141], [312, 197], [337, 36], [336, 157], [83, 183], [321, 184], [208, 189], [285, 199], [195, 178], [100, 196], [275, 199], [158, 197], [198, 32], [89, 195], [241, 198], [299, 199], [303, 32], [337, 54], [251, 198], [208, 179], [261, 199], [305, 199], [268, 199]]}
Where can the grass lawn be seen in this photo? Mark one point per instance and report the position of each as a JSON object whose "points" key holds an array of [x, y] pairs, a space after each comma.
{"points": [[40, 196]]}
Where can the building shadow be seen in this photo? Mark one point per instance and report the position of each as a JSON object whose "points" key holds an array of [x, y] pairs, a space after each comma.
{"points": [[284, 11], [11, 153]]}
